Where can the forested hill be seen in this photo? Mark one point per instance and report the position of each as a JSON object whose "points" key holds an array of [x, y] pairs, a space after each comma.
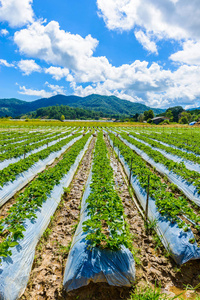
{"points": [[69, 113], [109, 105]]}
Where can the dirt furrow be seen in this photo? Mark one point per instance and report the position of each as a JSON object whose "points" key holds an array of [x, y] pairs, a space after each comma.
{"points": [[50, 258]]}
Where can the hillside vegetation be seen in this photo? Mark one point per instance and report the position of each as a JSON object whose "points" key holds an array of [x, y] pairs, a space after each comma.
{"points": [[65, 112], [109, 105]]}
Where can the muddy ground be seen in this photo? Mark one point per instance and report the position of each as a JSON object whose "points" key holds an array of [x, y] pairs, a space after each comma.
{"points": [[153, 263]]}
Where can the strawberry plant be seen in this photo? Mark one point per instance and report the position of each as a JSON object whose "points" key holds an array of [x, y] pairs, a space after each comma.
{"points": [[106, 227]]}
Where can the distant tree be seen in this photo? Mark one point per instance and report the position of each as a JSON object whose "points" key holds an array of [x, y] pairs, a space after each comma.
{"points": [[186, 115], [183, 120], [62, 118], [149, 120], [148, 114], [176, 111], [164, 122], [169, 115], [134, 117], [141, 118], [194, 118]]}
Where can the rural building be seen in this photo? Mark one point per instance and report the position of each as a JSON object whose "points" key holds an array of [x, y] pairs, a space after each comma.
{"points": [[158, 120]]}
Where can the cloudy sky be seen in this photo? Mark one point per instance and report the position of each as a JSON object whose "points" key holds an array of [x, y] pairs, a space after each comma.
{"points": [[146, 51]]}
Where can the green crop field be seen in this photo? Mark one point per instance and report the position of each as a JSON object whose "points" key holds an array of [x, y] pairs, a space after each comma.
{"points": [[99, 206]]}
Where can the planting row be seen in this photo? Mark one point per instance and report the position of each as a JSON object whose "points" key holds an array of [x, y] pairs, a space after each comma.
{"points": [[46, 144], [25, 148], [21, 137], [181, 156], [106, 227], [11, 228], [7, 135], [31, 139], [17, 137], [166, 201], [17, 175], [9, 173], [188, 143], [169, 211], [99, 250], [191, 178], [29, 217]]}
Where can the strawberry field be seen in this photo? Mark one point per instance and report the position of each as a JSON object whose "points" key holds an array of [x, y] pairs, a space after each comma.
{"points": [[97, 211]]}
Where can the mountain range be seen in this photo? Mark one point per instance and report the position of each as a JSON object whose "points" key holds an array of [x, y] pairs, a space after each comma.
{"points": [[108, 105]]}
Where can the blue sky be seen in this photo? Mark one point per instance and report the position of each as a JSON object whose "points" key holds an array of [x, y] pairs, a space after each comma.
{"points": [[145, 51]]}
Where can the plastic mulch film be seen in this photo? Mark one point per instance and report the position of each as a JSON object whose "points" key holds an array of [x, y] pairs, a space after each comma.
{"points": [[21, 141], [188, 189], [13, 160], [84, 265], [170, 145], [10, 188], [174, 239], [15, 270], [189, 164]]}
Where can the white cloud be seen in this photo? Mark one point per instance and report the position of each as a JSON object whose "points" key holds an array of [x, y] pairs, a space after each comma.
{"points": [[4, 32], [54, 45], [4, 63], [38, 93], [145, 41], [16, 12], [72, 57], [150, 85], [28, 66], [54, 90], [57, 89], [189, 55], [63, 49], [164, 18], [191, 106], [57, 72], [118, 14]]}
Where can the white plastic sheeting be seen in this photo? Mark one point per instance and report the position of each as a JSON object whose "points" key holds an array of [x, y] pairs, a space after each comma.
{"points": [[43, 139], [12, 187], [189, 164], [13, 160], [85, 265], [26, 138], [188, 189], [170, 145], [15, 270], [174, 239]]}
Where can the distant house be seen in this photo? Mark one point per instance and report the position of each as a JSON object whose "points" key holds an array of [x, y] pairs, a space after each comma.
{"points": [[158, 120]]}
